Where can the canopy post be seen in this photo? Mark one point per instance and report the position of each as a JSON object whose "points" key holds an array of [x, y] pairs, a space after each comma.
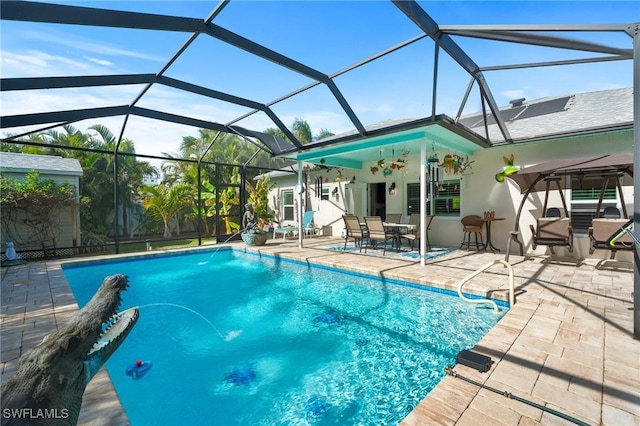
{"points": [[625, 214], [546, 197], [605, 185], [564, 201]]}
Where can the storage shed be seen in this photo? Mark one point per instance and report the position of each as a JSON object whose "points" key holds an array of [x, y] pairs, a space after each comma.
{"points": [[60, 170]]}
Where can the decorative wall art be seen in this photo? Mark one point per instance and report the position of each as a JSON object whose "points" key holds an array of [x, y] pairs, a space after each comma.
{"points": [[508, 169], [455, 164], [388, 167]]}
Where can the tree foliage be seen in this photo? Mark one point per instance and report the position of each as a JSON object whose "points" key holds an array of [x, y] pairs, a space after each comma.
{"points": [[35, 203], [260, 199], [214, 152], [97, 182], [165, 202]]}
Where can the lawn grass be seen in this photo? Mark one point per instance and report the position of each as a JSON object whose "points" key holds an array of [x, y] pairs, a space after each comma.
{"points": [[140, 246]]}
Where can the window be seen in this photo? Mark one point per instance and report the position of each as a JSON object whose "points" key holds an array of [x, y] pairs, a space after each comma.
{"points": [[325, 194], [287, 205], [413, 198], [446, 200], [583, 206], [592, 194]]}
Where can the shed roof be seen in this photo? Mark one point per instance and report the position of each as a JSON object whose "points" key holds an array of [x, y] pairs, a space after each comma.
{"points": [[23, 163]]}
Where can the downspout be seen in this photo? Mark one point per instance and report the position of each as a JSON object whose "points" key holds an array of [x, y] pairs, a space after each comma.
{"points": [[300, 191], [423, 201], [636, 176]]}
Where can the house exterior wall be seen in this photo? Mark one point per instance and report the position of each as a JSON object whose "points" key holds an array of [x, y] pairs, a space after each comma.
{"points": [[504, 198], [479, 191], [69, 218]]}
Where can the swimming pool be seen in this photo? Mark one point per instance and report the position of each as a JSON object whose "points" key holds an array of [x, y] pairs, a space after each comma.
{"points": [[239, 339]]}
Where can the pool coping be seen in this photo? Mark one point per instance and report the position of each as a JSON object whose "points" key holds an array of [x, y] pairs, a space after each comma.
{"points": [[563, 338], [500, 298]]}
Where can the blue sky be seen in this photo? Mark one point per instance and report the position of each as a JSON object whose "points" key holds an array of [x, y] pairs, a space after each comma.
{"points": [[326, 35]]}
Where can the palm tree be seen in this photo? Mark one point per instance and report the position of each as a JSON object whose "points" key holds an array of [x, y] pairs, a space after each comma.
{"points": [[165, 202], [302, 131], [97, 182], [130, 172], [71, 137], [324, 133]]}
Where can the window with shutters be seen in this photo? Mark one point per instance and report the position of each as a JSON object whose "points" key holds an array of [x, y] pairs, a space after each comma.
{"points": [[446, 200], [584, 203]]}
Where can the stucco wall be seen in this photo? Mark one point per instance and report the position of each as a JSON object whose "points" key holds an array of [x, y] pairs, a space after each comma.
{"points": [[479, 190], [482, 189]]}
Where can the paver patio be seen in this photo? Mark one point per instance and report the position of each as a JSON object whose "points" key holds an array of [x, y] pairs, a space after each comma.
{"points": [[567, 344]]}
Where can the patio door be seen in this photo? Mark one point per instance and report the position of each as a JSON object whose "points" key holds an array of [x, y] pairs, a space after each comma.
{"points": [[356, 199], [377, 199]]}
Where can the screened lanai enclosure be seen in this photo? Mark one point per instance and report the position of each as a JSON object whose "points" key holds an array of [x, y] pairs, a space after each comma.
{"points": [[173, 108]]}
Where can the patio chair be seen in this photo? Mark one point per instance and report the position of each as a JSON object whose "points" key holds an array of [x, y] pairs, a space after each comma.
{"points": [[552, 230], [308, 227], [611, 212], [308, 224], [472, 225], [414, 236], [378, 232], [414, 219], [49, 247], [393, 217], [354, 230], [604, 227], [553, 212], [288, 230]]}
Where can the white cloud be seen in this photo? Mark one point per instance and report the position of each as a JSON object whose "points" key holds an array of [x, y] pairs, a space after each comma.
{"points": [[96, 47], [151, 137], [102, 62], [35, 63]]}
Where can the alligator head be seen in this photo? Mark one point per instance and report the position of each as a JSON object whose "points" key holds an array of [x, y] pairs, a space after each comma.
{"points": [[54, 374]]}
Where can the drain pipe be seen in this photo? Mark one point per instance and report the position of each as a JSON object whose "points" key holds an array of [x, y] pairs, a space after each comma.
{"points": [[449, 371], [300, 190]]}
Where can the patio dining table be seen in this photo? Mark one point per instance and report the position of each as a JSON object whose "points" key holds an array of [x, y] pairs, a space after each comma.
{"points": [[397, 230]]}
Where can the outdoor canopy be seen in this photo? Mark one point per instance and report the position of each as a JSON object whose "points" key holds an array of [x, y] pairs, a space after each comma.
{"points": [[590, 168]]}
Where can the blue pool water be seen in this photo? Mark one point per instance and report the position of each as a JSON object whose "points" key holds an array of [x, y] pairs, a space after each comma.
{"points": [[238, 339]]}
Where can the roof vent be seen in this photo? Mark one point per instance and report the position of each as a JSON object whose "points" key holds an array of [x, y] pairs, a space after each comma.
{"points": [[517, 102]]}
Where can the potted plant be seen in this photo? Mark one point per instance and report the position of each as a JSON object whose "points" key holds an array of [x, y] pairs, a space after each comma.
{"points": [[257, 214]]}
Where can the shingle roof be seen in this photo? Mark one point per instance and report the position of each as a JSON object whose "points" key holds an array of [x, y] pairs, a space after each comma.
{"points": [[590, 112], [582, 112], [12, 162]]}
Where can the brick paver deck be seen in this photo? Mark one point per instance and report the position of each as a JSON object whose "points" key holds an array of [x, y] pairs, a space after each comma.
{"points": [[567, 344]]}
